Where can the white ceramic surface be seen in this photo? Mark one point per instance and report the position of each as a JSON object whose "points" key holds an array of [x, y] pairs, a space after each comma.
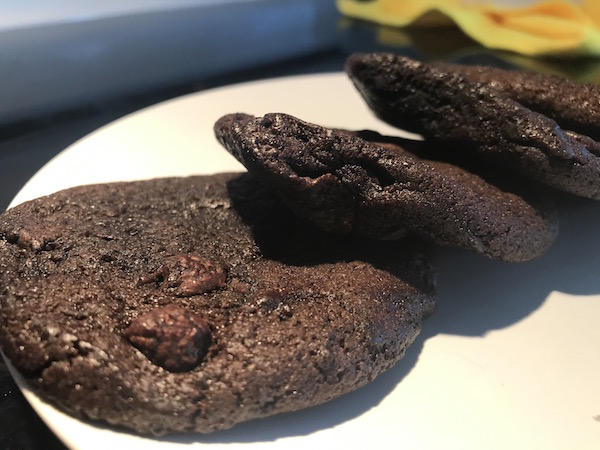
{"points": [[510, 359]]}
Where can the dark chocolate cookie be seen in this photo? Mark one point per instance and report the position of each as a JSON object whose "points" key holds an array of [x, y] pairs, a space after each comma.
{"points": [[477, 119], [572, 105], [347, 185], [192, 304]]}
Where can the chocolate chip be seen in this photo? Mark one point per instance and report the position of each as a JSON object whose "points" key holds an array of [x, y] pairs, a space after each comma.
{"points": [[269, 301], [171, 336], [238, 286], [274, 301], [189, 275], [285, 312], [38, 238]]}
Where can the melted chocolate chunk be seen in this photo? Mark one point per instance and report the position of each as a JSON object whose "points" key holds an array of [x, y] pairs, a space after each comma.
{"points": [[171, 336], [189, 275]]}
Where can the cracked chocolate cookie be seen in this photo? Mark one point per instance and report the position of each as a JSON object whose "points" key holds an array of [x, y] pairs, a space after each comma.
{"points": [[347, 185], [572, 105], [191, 304], [478, 120]]}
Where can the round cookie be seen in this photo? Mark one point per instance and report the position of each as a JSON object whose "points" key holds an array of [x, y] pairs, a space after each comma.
{"points": [[191, 304], [347, 185], [474, 119]]}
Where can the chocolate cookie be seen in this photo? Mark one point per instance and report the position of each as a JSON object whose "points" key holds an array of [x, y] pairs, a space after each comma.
{"points": [[476, 119], [191, 304], [572, 105], [347, 185]]}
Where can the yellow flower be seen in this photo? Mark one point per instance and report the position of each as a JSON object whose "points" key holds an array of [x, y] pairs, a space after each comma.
{"points": [[543, 27]]}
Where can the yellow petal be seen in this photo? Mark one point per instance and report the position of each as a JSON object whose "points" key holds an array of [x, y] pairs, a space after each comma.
{"points": [[552, 26], [525, 31], [591, 9]]}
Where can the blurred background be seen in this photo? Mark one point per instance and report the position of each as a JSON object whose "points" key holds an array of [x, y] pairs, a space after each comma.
{"points": [[68, 67]]}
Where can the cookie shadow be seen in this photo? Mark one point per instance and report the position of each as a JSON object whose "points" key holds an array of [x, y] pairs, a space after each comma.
{"points": [[475, 295]]}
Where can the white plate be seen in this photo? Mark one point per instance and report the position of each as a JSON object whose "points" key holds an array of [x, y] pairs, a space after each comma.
{"points": [[511, 359]]}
